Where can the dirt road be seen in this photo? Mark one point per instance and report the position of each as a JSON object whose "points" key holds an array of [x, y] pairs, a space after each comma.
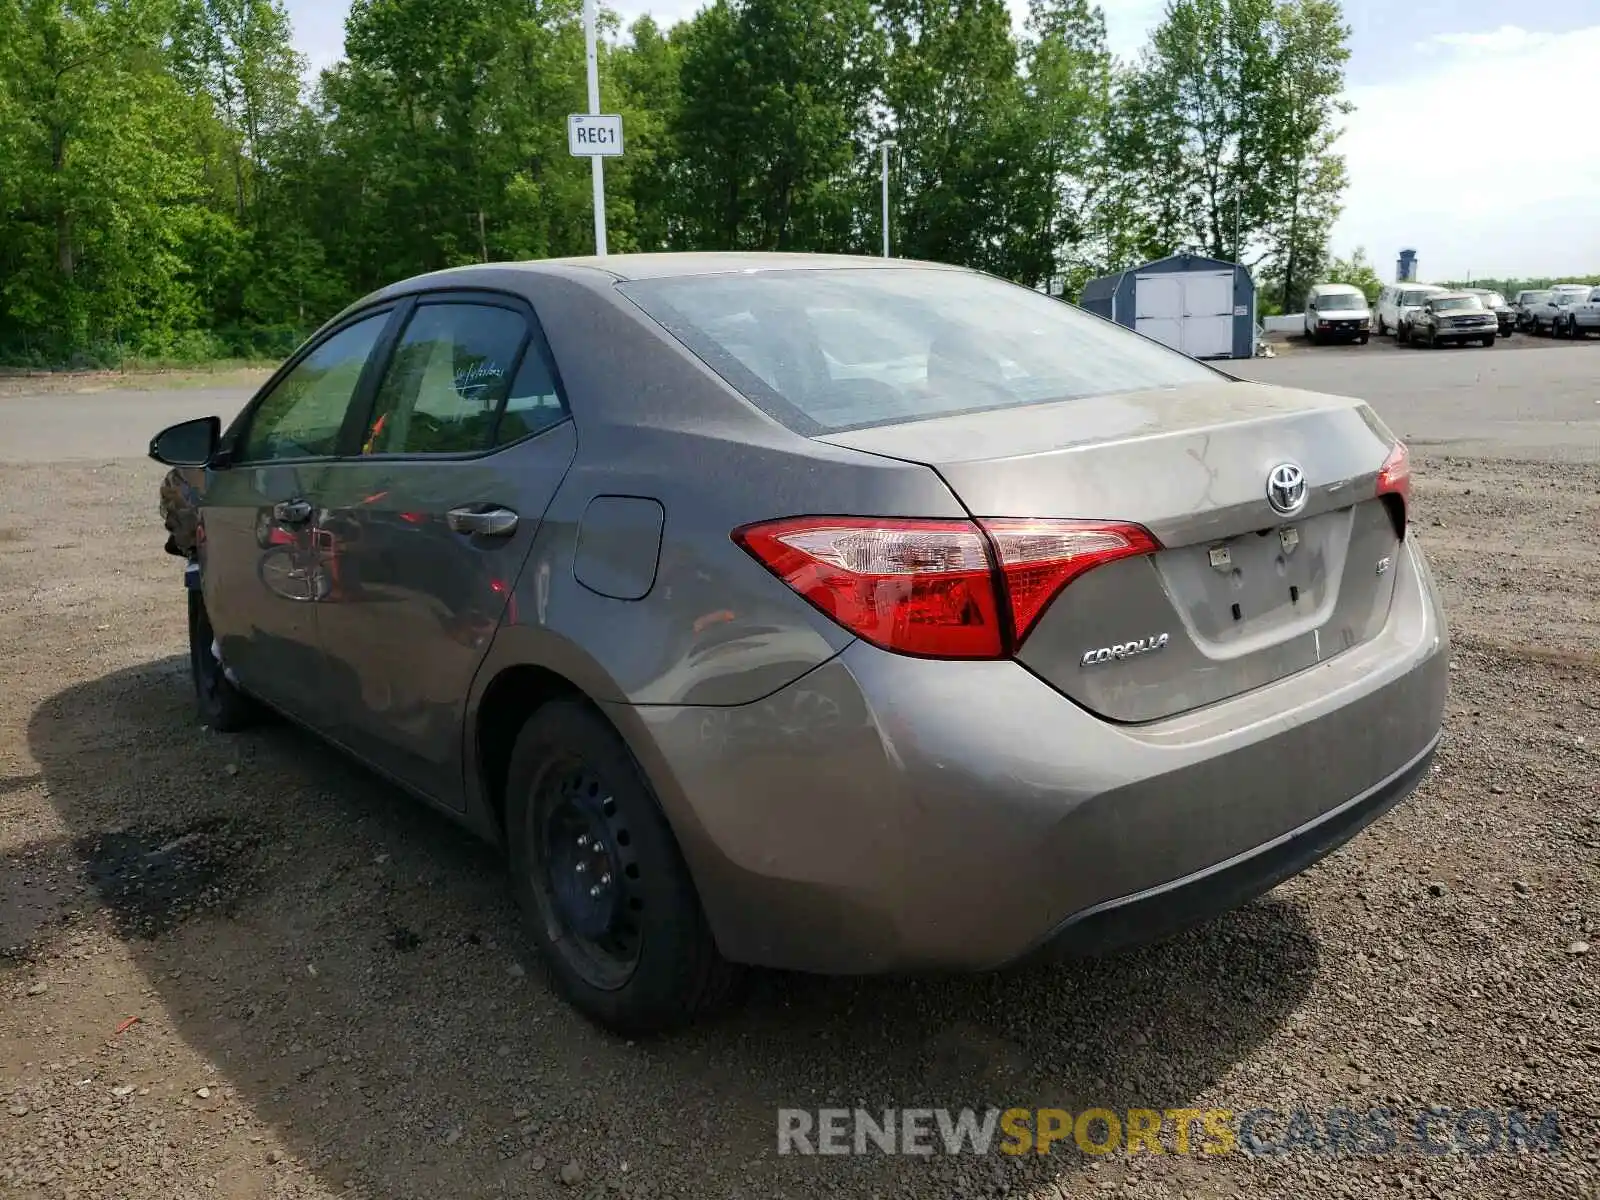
{"points": [[332, 999]]}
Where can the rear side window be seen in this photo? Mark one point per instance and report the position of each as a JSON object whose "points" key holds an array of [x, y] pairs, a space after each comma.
{"points": [[449, 376], [829, 350], [534, 404]]}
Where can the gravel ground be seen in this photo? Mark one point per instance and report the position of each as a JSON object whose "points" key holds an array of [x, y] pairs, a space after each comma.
{"points": [[328, 995]]}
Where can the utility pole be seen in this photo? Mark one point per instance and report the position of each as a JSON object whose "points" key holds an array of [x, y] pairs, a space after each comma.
{"points": [[886, 145], [1238, 249], [596, 166]]}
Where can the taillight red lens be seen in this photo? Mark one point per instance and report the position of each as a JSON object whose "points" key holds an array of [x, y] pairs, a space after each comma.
{"points": [[1394, 479], [931, 587], [1039, 558], [916, 587]]}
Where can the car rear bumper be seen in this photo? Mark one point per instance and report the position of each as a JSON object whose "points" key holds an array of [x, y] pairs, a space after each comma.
{"points": [[1168, 908], [886, 813]]}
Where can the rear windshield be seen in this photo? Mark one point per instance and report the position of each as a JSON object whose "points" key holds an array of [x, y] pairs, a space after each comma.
{"points": [[829, 350], [1340, 300], [1458, 304]]}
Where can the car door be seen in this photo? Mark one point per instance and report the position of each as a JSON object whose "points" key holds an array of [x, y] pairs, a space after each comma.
{"points": [[427, 521], [260, 574]]}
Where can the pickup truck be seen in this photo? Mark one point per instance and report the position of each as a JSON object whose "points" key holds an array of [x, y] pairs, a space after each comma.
{"points": [[1582, 315], [1550, 314]]}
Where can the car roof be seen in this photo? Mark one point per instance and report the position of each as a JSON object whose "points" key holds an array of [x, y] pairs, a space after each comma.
{"points": [[598, 273], [1336, 287], [671, 265], [1462, 294]]}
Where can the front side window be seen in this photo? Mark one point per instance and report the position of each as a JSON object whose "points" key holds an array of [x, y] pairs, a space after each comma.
{"points": [[1415, 297], [450, 375], [302, 416], [828, 350]]}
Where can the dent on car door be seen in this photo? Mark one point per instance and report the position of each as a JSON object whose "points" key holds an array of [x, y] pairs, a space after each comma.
{"points": [[429, 520], [260, 572]]}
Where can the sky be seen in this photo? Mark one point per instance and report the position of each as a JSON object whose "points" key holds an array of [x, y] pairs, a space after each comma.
{"points": [[1473, 139]]}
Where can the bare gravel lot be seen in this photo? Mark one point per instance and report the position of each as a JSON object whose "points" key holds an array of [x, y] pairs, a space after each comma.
{"points": [[239, 967]]}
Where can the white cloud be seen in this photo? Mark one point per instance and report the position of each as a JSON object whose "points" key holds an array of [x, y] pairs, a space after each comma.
{"points": [[1508, 39], [1487, 163]]}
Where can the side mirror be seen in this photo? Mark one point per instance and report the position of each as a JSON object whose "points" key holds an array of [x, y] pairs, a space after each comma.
{"points": [[188, 443]]}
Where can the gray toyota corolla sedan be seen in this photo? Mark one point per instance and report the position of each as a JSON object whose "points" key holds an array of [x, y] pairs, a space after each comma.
{"points": [[844, 615]]}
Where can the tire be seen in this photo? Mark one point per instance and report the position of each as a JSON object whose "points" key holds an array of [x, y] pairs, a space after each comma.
{"points": [[1383, 330], [222, 705], [1572, 329], [1363, 339], [1400, 334], [1489, 341], [646, 961]]}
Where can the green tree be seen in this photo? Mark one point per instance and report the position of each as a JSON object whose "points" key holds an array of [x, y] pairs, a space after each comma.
{"points": [[1225, 138], [1357, 272], [1068, 98], [645, 75], [775, 100], [102, 184], [1299, 165], [974, 188]]}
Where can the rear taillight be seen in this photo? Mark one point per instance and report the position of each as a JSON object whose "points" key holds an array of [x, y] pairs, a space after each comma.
{"points": [[1394, 485], [937, 588], [1039, 558]]}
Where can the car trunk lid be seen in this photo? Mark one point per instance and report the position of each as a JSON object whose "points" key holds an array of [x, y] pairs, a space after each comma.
{"points": [[1241, 594]]}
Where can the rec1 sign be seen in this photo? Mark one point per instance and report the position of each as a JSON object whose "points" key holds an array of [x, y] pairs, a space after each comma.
{"points": [[592, 134]]}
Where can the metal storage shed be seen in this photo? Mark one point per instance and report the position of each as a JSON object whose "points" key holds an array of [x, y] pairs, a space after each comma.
{"points": [[1202, 306]]}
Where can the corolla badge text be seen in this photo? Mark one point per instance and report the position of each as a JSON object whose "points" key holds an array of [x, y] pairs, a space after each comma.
{"points": [[1122, 650]]}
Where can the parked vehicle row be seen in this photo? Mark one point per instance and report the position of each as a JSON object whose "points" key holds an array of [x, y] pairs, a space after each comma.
{"points": [[1563, 310], [1432, 315]]}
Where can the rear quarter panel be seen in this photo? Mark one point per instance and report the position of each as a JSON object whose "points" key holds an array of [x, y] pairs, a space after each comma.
{"points": [[653, 422]]}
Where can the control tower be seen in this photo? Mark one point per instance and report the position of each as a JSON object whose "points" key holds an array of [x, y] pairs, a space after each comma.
{"points": [[1405, 270]]}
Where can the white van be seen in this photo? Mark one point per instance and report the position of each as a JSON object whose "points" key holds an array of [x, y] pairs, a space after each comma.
{"points": [[1398, 303], [1337, 311]]}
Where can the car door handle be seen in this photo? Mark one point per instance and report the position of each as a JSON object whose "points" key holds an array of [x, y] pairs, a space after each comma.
{"points": [[292, 512], [486, 522]]}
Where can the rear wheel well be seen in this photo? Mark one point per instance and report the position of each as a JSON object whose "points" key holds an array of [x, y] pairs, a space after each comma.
{"points": [[512, 697]]}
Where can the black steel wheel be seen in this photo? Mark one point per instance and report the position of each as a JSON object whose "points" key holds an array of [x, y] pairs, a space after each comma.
{"points": [[590, 877], [604, 889]]}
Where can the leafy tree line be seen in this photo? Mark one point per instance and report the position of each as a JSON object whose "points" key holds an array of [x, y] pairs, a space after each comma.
{"points": [[170, 187], [1510, 287]]}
